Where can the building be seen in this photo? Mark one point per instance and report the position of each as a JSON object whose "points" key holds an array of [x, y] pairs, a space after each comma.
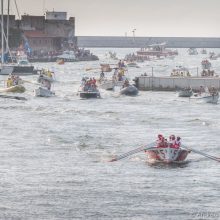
{"points": [[48, 33], [40, 34]]}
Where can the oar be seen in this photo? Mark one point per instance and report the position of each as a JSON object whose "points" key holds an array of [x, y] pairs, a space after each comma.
{"points": [[201, 153], [35, 83], [137, 150], [89, 69]]}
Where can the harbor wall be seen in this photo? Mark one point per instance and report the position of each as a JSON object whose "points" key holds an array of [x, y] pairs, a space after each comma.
{"points": [[175, 83], [138, 42]]}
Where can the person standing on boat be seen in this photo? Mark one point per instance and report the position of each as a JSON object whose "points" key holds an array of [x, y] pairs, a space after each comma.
{"points": [[102, 75], [201, 90]]}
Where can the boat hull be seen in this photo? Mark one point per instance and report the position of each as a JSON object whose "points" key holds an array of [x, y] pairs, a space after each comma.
{"points": [[14, 89], [89, 95], [207, 99], [167, 155], [185, 93], [129, 91], [43, 92]]}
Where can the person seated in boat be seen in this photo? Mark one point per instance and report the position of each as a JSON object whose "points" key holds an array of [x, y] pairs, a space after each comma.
{"points": [[177, 143], [94, 81], [49, 74], [213, 90], [201, 90], [17, 80], [126, 83], [46, 84], [9, 82], [161, 141], [172, 141]]}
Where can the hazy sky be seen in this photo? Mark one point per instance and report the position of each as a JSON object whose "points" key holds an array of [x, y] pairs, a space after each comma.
{"points": [[149, 17]]}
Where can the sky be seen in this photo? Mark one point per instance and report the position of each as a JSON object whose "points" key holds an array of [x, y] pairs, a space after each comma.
{"points": [[162, 18]]}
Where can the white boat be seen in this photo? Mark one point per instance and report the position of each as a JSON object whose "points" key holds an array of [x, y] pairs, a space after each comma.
{"points": [[166, 155], [43, 92], [206, 97]]}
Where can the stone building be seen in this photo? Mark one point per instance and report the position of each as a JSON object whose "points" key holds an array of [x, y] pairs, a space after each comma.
{"points": [[47, 33]]}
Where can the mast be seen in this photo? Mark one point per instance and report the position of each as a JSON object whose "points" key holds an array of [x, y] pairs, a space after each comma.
{"points": [[2, 32], [7, 37]]}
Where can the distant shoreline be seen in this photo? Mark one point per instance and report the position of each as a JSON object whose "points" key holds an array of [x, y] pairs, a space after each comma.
{"points": [[138, 42]]}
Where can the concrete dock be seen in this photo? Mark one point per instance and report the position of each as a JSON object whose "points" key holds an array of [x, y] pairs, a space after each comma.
{"points": [[175, 83]]}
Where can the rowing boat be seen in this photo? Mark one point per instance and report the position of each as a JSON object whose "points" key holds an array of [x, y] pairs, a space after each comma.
{"points": [[166, 155], [14, 89]]}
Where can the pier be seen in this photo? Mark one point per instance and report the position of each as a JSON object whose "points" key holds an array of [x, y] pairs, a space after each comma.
{"points": [[174, 83]]}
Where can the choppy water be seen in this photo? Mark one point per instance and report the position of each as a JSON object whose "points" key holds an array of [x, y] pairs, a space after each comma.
{"points": [[54, 151]]}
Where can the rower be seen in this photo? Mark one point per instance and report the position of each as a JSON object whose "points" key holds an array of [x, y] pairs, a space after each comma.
{"points": [[9, 82], [177, 143]]}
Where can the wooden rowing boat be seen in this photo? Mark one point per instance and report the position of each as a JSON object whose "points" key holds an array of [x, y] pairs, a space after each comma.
{"points": [[167, 155], [14, 89]]}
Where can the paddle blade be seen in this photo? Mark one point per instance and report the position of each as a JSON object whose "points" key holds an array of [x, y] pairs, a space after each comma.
{"points": [[137, 150]]}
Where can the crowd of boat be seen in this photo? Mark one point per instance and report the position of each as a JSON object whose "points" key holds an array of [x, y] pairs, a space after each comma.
{"points": [[89, 87]]}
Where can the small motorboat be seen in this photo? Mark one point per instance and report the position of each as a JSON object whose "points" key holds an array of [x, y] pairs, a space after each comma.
{"points": [[43, 92], [185, 93], [129, 90], [206, 97], [166, 155], [14, 89]]}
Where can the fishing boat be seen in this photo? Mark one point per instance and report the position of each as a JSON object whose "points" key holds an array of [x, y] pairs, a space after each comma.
{"points": [[129, 90], [166, 155], [43, 92], [206, 97], [185, 92], [14, 89]]}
